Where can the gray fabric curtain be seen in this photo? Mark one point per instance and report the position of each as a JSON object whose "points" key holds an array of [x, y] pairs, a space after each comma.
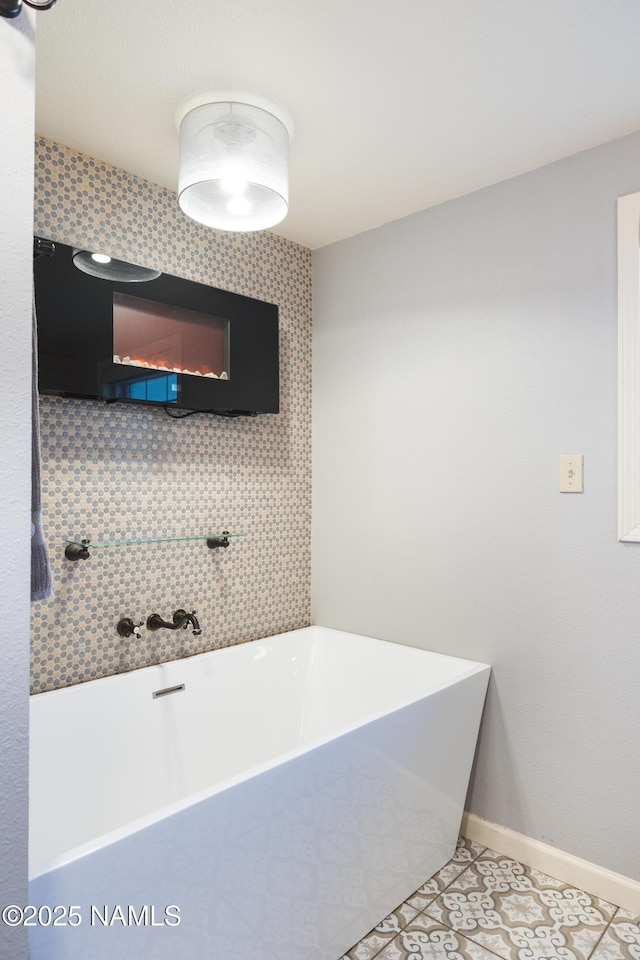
{"points": [[41, 585]]}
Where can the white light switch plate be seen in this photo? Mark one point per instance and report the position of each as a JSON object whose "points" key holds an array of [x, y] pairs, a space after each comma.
{"points": [[571, 473]]}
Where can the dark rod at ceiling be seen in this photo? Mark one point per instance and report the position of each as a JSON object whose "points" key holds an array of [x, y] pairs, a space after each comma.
{"points": [[11, 8]]}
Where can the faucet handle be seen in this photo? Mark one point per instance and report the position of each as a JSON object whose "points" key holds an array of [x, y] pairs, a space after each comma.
{"points": [[126, 627]]}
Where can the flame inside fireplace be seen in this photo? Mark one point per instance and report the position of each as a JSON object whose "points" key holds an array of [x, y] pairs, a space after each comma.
{"points": [[163, 366]]}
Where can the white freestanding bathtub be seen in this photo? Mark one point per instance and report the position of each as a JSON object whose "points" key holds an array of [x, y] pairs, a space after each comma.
{"points": [[272, 800]]}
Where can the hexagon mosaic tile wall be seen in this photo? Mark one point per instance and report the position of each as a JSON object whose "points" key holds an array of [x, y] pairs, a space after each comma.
{"points": [[120, 472]]}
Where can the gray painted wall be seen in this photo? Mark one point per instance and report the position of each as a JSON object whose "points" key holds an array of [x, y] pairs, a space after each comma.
{"points": [[457, 354], [16, 202]]}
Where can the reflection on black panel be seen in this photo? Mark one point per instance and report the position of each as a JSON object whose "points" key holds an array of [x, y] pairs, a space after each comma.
{"points": [[162, 388]]}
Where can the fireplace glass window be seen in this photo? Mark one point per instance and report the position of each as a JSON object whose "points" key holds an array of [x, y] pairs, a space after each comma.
{"points": [[172, 340]]}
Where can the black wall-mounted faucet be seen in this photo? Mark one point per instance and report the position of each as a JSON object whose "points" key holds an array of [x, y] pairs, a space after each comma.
{"points": [[180, 619]]}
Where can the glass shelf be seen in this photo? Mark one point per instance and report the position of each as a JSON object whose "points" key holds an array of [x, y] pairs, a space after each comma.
{"points": [[79, 549], [125, 543]]}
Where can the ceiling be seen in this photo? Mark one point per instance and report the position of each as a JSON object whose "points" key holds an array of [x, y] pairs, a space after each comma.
{"points": [[398, 104]]}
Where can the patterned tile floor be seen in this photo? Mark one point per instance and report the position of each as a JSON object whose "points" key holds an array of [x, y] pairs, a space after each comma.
{"points": [[483, 905]]}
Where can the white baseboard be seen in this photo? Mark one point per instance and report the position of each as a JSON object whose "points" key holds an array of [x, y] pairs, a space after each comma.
{"points": [[600, 882]]}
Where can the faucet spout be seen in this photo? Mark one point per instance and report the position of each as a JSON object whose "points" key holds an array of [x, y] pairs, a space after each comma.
{"points": [[180, 619]]}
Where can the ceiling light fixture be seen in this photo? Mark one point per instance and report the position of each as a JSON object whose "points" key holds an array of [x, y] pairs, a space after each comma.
{"points": [[12, 8], [234, 161]]}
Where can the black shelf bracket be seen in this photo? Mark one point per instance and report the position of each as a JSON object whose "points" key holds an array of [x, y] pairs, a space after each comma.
{"points": [[77, 551], [222, 541], [13, 8]]}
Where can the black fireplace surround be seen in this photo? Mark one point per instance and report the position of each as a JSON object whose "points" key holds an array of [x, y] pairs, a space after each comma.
{"points": [[167, 341]]}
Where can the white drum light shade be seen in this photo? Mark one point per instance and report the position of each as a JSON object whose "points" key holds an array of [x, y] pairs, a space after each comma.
{"points": [[234, 164]]}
